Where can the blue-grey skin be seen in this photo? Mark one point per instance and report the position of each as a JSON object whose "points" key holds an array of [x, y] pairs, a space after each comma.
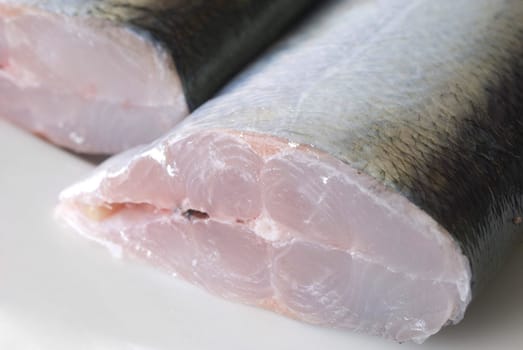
{"points": [[425, 96]]}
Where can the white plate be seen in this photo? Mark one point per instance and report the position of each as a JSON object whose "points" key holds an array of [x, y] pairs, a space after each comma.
{"points": [[60, 291]]}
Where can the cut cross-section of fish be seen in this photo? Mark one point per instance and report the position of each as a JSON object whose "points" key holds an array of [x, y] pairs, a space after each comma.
{"points": [[104, 76], [293, 229], [366, 174]]}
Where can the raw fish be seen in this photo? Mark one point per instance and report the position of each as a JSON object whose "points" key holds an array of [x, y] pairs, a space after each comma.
{"points": [[365, 174], [101, 76]]}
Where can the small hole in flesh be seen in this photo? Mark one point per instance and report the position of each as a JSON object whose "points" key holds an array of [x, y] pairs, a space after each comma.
{"points": [[195, 214], [240, 221]]}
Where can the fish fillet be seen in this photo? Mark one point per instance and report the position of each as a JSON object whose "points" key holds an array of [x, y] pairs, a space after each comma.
{"points": [[365, 174], [103, 76]]}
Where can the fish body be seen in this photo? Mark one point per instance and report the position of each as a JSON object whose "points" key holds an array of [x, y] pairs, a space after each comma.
{"points": [[365, 174], [103, 76]]}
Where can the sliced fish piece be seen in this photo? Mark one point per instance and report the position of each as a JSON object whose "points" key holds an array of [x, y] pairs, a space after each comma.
{"points": [[366, 174], [104, 76]]}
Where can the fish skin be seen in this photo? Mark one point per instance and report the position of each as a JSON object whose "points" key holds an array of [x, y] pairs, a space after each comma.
{"points": [[442, 125], [210, 40], [439, 125]]}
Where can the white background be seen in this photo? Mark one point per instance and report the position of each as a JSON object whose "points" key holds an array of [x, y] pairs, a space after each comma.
{"points": [[60, 291]]}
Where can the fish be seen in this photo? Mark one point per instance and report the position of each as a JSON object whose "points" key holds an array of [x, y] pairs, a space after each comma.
{"points": [[100, 77], [365, 174]]}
